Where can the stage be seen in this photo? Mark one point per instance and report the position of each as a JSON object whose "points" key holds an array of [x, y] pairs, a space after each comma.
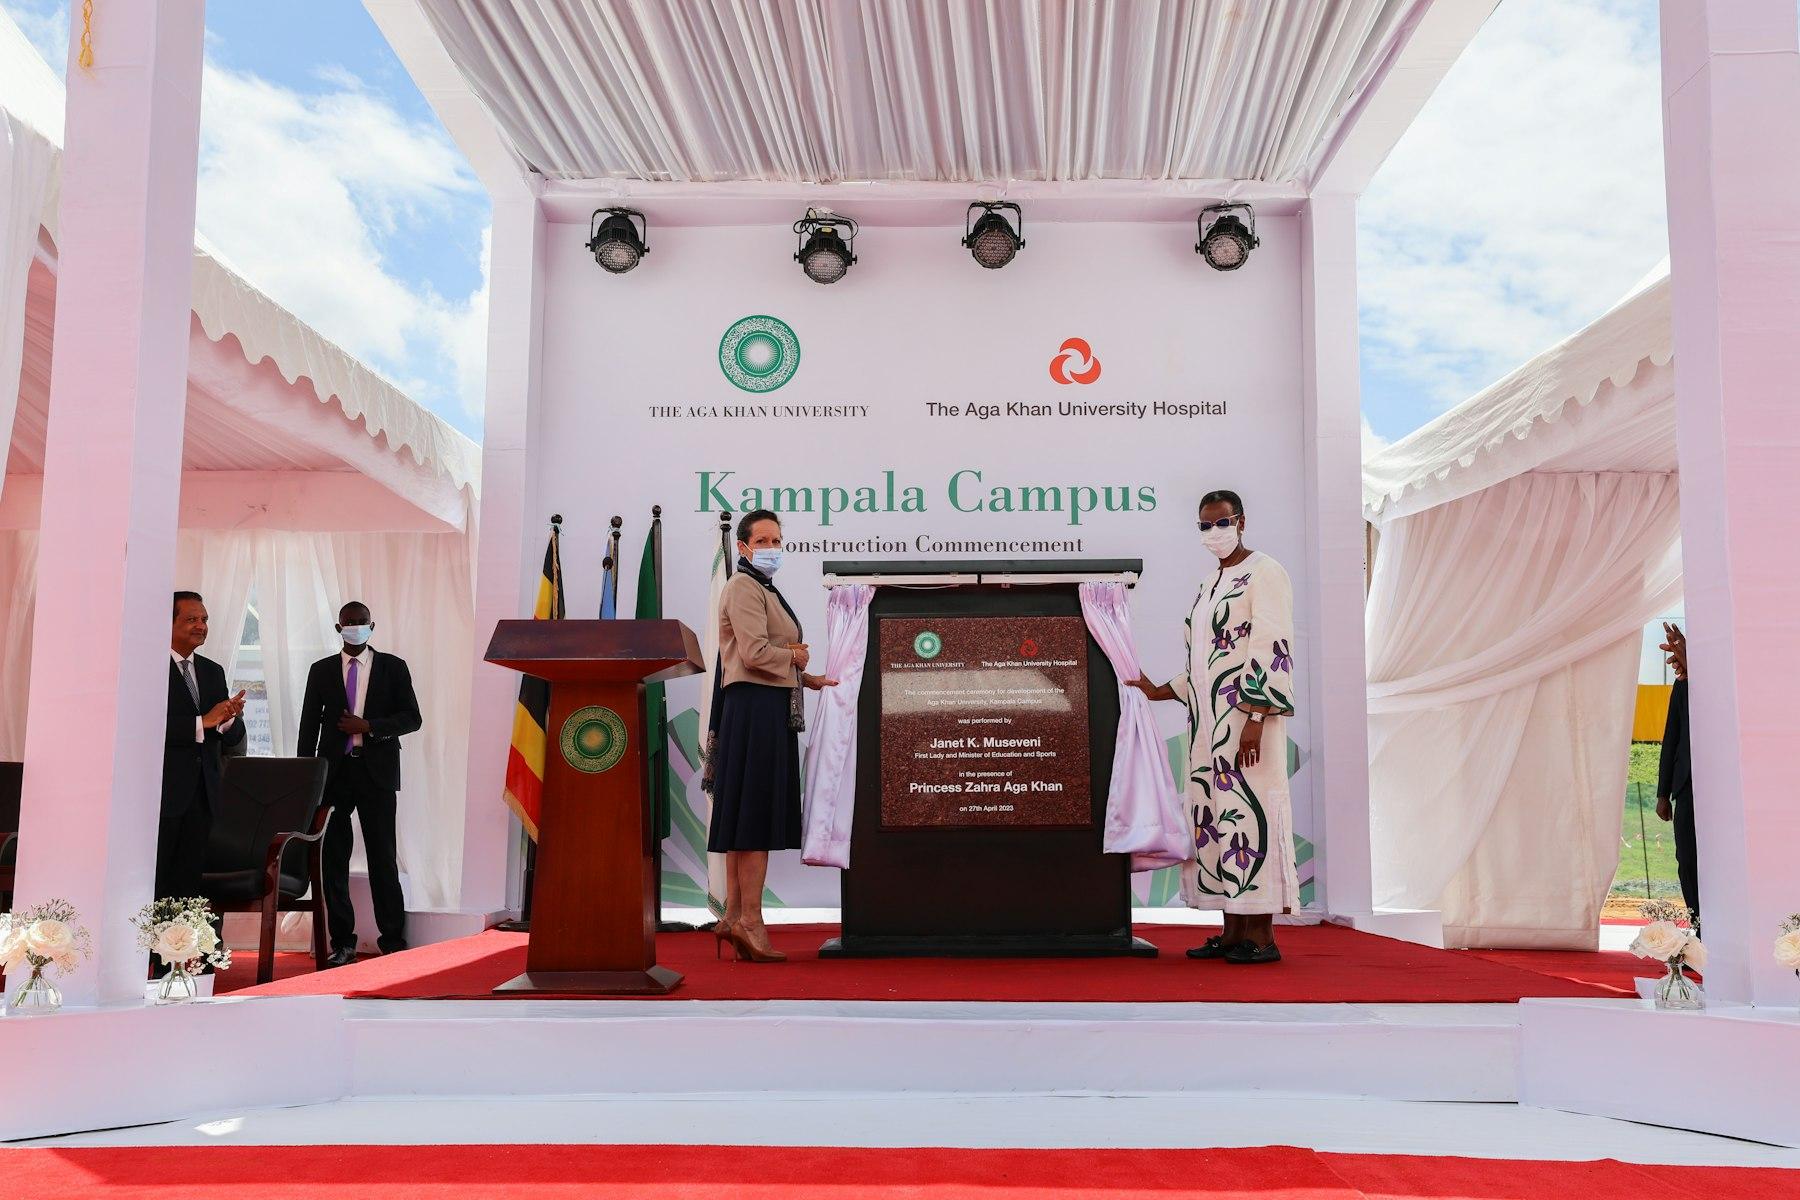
{"points": [[1383, 1068], [1346, 1014]]}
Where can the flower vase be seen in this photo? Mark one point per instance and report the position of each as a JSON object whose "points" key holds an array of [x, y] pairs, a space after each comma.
{"points": [[1676, 991], [177, 986], [37, 995]]}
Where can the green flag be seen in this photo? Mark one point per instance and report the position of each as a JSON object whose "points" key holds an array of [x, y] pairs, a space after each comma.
{"points": [[656, 708]]}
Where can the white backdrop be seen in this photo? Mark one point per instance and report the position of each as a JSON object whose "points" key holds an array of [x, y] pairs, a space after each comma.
{"points": [[635, 407]]}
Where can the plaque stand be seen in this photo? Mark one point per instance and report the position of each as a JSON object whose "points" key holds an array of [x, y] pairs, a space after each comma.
{"points": [[985, 891]]}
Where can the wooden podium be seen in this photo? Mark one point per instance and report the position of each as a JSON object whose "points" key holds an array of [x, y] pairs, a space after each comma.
{"points": [[593, 922]]}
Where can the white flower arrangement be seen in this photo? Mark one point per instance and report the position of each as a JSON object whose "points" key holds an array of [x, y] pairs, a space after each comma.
{"points": [[43, 936], [1668, 938], [181, 934], [1787, 945]]}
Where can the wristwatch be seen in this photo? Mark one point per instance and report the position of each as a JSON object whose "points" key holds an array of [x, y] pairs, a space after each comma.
{"points": [[1255, 716]]}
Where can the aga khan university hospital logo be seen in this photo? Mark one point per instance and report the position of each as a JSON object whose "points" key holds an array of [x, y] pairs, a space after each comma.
{"points": [[759, 354], [1075, 362]]}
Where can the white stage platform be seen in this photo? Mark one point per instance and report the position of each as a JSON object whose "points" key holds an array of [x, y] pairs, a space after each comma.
{"points": [[301, 1050], [283, 1051], [1461, 1052], [1149, 1122]]}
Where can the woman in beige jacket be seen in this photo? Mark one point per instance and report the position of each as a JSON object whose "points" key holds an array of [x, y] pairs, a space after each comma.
{"points": [[755, 754]]}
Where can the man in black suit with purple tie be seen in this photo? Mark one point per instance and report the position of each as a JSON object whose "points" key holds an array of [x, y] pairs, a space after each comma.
{"points": [[358, 704]]}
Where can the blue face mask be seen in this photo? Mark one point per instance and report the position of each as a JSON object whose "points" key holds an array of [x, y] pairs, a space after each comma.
{"points": [[766, 560], [356, 635]]}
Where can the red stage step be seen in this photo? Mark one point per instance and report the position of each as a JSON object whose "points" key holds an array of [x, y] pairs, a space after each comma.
{"points": [[820, 1173]]}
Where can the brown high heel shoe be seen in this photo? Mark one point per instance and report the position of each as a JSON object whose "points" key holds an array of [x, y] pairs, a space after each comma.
{"points": [[722, 934], [749, 951]]}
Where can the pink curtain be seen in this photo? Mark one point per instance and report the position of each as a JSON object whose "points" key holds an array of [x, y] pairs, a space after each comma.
{"points": [[1144, 811], [831, 749]]}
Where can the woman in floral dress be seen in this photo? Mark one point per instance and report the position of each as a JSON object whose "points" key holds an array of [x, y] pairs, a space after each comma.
{"points": [[1239, 689]]}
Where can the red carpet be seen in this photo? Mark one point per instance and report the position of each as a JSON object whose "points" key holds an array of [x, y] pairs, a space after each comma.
{"points": [[1607, 968], [779, 1173], [1323, 964]]}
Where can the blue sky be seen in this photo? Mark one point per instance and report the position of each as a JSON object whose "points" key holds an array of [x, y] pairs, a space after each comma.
{"points": [[1507, 217]]}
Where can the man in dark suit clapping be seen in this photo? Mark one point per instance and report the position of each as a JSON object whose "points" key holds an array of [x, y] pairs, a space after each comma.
{"points": [[203, 718], [357, 706]]}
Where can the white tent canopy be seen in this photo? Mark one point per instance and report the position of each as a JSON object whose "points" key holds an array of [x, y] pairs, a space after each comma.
{"points": [[1525, 539], [826, 92], [307, 479]]}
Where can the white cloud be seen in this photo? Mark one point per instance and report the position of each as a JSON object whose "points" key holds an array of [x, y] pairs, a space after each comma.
{"points": [[1524, 201], [46, 23], [1371, 441], [300, 192], [463, 332]]}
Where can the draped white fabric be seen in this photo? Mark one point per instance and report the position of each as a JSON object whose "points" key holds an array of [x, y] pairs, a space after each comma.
{"points": [[834, 90], [26, 161], [1502, 637], [420, 591], [18, 601], [831, 746], [1144, 811], [220, 565]]}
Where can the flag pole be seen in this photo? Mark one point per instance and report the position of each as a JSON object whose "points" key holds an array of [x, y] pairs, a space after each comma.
{"points": [[612, 556]]}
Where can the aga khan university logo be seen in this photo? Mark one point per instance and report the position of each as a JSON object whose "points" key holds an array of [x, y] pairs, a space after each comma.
{"points": [[1075, 363], [759, 354]]}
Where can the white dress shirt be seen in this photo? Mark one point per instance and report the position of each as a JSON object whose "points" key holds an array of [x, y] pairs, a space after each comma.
{"points": [[363, 661], [199, 721]]}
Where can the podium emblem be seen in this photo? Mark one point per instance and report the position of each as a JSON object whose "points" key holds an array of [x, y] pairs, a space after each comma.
{"points": [[928, 645], [593, 739]]}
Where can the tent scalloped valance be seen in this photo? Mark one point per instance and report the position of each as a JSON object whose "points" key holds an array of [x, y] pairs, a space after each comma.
{"points": [[229, 306], [1612, 350]]}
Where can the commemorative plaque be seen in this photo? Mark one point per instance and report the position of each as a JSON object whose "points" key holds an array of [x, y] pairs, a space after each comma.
{"points": [[984, 721]]}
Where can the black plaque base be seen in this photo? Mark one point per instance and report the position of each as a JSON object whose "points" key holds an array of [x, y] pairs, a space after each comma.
{"points": [[657, 981], [995, 946]]}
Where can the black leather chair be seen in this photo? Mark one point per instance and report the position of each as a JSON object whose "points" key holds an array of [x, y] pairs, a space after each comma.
{"points": [[12, 776], [264, 855]]}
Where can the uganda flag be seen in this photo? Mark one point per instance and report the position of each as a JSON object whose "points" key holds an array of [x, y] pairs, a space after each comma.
{"points": [[531, 719]]}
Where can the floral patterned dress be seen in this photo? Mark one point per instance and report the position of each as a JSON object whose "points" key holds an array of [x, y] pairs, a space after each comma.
{"points": [[1240, 638]]}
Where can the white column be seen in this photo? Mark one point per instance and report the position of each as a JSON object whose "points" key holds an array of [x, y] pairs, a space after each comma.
{"points": [[512, 530], [1731, 133], [112, 476], [1332, 611]]}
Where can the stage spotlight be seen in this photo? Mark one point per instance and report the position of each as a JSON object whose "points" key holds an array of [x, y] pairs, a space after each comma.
{"points": [[993, 241], [823, 252], [1226, 241], [617, 243]]}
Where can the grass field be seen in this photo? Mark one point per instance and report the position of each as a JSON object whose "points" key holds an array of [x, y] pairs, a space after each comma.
{"points": [[1637, 836]]}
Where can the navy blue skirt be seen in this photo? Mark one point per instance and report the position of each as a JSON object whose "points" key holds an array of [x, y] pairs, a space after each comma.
{"points": [[756, 772]]}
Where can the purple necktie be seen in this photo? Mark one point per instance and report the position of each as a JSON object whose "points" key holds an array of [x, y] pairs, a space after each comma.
{"points": [[350, 705]]}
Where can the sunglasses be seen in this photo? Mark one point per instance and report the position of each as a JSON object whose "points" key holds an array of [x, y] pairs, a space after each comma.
{"points": [[1225, 523]]}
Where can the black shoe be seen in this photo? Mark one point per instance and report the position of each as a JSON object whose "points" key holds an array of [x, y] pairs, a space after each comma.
{"points": [[342, 958], [393, 947], [1212, 947], [1250, 952]]}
